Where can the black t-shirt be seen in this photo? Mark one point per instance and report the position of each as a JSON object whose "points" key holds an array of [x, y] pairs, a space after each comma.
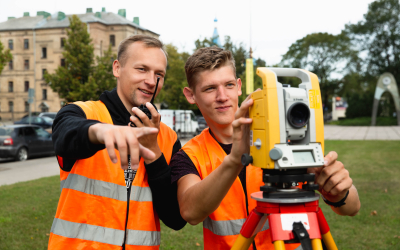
{"points": [[182, 165]]}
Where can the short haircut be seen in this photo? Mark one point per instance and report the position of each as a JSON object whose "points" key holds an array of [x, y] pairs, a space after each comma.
{"points": [[148, 41], [208, 58]]}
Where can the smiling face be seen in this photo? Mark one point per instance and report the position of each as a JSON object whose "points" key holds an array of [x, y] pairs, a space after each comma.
{"points": [[137, 78], [216, 94]]}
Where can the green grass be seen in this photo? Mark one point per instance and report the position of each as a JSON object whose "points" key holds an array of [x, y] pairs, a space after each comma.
{"points": [[365, 121], [27, 209]]}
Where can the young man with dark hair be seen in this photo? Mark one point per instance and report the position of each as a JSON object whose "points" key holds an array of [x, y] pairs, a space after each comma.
{"points": [[213, 186], [110, 172]]}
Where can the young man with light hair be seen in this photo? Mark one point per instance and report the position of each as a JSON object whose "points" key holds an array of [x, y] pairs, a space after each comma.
{"points": [[213, 186], [110, 172]]}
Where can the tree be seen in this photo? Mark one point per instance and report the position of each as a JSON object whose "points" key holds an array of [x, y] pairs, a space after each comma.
{"points": [[80, 79], [379, 36], [175, 80], [5, 57], [326, 55]]}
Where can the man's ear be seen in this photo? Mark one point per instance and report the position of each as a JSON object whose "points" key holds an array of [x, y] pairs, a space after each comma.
{"points": [[116, 68], [239, 84], [188, 92]]}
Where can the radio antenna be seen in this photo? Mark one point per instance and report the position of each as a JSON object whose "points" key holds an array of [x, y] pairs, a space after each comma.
{"points": [[155, 91]]}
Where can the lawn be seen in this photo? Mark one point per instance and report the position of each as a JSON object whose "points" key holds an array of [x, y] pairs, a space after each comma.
{"points": [[365, 121], [27, 209]]}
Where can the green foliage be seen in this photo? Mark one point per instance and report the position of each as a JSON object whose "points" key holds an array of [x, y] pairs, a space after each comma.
{"points": [[359, 104], [80, 79], [365, 121], [325, 55], [5, 57], [379, 35], [175, 80]]}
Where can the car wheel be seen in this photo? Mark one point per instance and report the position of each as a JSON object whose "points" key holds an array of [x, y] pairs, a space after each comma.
{"points": [[22, 154]]}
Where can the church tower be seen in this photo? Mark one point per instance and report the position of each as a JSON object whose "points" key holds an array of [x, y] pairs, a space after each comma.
{"points": [[215, 37]]}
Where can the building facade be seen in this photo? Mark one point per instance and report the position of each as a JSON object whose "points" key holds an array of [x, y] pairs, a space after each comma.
{"points": [[37, 43]]}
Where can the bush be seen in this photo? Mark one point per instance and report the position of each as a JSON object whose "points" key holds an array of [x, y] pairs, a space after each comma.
{"points": [[359, 105]]}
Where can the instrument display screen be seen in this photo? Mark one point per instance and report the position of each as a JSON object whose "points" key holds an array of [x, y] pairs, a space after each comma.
{"points": [[303, 157]]}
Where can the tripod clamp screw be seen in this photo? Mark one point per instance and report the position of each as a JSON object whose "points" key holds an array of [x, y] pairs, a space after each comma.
{"points": [[246, 159]]}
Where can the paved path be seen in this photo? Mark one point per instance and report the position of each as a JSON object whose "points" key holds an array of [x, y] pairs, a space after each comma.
{"points": [[333, 132], [18, 171]]}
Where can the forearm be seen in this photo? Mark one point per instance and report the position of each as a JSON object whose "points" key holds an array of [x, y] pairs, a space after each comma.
{"points": [[70, 134], [164, 193], [204, 197], [352, 205]]}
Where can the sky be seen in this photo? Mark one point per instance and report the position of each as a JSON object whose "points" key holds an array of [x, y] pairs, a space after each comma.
{"points": [[270, 27]]}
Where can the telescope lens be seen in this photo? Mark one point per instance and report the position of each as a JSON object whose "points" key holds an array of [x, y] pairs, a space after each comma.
{"points": [[298, 115]]}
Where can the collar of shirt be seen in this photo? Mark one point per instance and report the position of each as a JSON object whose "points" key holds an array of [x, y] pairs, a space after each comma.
{"points": [[119, 114]]}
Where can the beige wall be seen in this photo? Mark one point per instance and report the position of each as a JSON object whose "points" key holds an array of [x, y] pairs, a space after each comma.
{"points": [[51, 40]]}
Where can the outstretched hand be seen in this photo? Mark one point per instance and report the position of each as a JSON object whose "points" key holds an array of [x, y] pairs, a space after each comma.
{"points": [[123, 138]]}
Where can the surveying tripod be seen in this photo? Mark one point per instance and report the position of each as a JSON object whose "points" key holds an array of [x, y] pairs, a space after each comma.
{"points": [[293, 213]]}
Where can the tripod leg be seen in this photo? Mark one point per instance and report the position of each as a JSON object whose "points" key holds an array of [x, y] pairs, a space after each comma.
{"points": [[242, 243], [325, 231], [279, 245], [247, 233], [316, 244]]}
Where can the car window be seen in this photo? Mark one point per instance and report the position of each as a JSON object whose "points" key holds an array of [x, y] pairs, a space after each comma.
{"points": [[6, 131], [28, 131], [37, 120], [47, 119], [26, 119], [41, 132], [52, 116], [193, 117]]}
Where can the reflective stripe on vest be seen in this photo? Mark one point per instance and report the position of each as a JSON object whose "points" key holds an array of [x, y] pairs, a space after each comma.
{"points": [[87, 232], [105, 189], [143, 238], [227, 227]]}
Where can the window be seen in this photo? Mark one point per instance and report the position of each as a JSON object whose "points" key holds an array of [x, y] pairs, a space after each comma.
{"points": [[62, 42], [26, 86], [10, 65], [11, 106], [26, 107], [44, 94], [62, 62], [44, 52], [10, 86], [28, 131], [11, 44], [26, 43], [112, 40], [44, 71], [41, 133], [26, 64]]}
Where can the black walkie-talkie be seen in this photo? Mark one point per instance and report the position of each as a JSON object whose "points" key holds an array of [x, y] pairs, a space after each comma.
{"points": [[143, 107]]}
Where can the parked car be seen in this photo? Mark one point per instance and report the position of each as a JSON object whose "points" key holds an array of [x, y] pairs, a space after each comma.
{"points": [[44, 122], [202, 123], [23, 141], [32, 114], [51, 115]]}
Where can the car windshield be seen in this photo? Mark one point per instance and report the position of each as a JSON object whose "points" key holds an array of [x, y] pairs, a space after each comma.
{"points": [[6, 131], [52, 116]]}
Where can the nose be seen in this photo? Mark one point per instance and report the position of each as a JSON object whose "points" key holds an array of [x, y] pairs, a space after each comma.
{"points": [[221, 94], [151, 79]]}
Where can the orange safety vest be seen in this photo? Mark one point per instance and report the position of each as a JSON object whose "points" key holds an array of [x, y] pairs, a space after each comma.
{"points": [[222, 227], [92, 209]]}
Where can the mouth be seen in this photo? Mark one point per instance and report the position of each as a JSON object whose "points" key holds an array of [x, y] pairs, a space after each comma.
{"points": [[146, 92], [222, 108]]}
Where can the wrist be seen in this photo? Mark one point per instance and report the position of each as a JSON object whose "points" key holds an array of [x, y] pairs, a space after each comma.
{"points": [[234, 161], [157, 151], [92, 133], [338, 203]]}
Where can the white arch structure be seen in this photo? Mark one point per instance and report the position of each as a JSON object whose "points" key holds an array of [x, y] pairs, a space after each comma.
{"points": [[386, 82]]}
